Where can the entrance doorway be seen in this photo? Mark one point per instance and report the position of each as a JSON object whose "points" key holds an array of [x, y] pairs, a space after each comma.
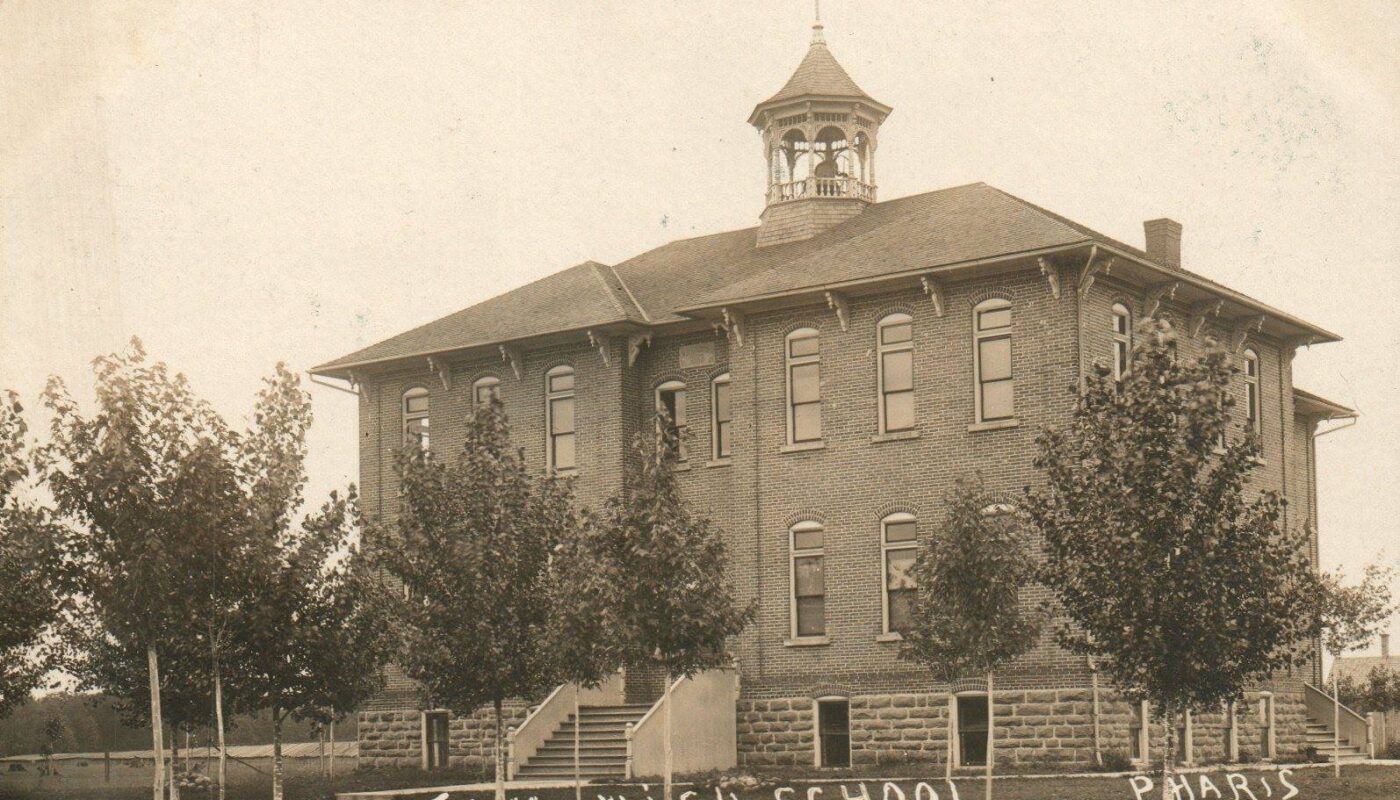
{"points": [[834, 733], [972, 731], [435, 739]]}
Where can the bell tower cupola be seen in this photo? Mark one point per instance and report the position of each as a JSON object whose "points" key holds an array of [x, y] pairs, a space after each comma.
{"points": [[820, 133]]}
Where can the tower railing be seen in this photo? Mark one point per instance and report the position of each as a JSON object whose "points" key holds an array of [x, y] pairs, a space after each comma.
{"points": [[821, 187]]}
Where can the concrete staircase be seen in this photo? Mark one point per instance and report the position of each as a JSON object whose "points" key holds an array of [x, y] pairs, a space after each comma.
{"points": [[602, 745], [1319, 737]]}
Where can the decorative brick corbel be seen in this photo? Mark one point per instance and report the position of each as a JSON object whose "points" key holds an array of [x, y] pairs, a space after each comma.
{"points": [[934, 290], [514, 357], [634, 346], [842, 307], [1242, 328], [1200, 311], [599, 342], [734, 322], [443, 372], [1052, 275], [1152, 300]]}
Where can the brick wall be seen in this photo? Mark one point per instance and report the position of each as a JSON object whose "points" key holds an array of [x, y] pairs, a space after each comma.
{"points": [[853, 480]]}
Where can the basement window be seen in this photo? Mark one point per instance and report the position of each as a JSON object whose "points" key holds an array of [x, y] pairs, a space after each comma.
{"points": [[972, 731], [834, 732]]}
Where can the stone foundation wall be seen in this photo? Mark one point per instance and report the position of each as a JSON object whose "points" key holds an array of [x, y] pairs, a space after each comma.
{"points": [[395, 738], [1034, 728]]}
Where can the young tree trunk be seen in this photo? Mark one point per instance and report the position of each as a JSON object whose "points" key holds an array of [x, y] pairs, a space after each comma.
{"points": [[321, 751], [332, 763], [666, 791], [991, 739], [578, 720], [276, 752], [107, 766], [174, 761], [952, 737], [1098, 747], [157, 726], [1336, 726], [1168, 754], [500, 754], [219, 727]]}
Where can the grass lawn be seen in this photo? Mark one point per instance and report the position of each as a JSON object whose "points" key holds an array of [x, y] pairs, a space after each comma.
{"points": [[1358, 782]]}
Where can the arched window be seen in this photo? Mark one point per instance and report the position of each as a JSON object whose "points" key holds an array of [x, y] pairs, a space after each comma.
{"points": [[486, 389], [1251, 390], [991, 331], [559, 418], [415, 417], [895, 345], [1122, 340], [722, 417], [804, 386], [670, 400], [808, 578], [899, 542]]}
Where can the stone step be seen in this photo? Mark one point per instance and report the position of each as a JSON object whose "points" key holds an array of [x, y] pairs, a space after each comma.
{"points": [[567, 771], [596, 725], [567, 751], [567, 759]]}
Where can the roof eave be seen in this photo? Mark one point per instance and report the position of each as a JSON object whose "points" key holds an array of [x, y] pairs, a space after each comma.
{"points": [[773, 102]]}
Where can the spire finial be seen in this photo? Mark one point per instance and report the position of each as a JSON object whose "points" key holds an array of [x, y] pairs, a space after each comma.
{"points": [[817, 36]]}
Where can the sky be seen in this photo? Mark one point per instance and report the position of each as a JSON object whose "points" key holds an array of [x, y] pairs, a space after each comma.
{"points": [[245, 183]]}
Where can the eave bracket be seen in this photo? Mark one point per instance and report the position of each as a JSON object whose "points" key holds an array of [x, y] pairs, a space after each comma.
{"points": [[599, 342], [1052, 275], [514, 357], [734, 322], [635, 342], [838, 302], [443, 372], [1242, 328], [1152, 302], [1201, 311], [934, 290]]}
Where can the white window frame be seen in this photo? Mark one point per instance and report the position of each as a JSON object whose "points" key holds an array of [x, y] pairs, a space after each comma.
{"points": [[681, 411], [817, 751], [1252, 399], [485, 382], [797, 361], [426, 754], [881, 350], [806, 526], [723, 379], [885, 548], [415, 392], [1268, 717], [979, 336], [549, 398], [955, 724], [1122, 319]]}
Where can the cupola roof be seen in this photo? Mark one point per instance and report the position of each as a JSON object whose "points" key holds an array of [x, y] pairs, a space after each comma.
{"points": [[819, 76]]}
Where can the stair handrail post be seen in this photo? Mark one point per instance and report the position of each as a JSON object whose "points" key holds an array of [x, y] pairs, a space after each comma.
{"points": [[627, 734], [510, 753]]}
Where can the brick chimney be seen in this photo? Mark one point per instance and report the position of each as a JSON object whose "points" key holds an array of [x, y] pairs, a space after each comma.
{"points": [[1163, 241], [1385, 645]]}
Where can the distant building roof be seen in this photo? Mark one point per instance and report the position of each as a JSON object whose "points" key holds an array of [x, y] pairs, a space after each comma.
{"points": [[1359, 667]]}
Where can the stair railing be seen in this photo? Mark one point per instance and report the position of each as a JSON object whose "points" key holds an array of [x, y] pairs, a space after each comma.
{"points": [[1353, 729], [703, 708]]}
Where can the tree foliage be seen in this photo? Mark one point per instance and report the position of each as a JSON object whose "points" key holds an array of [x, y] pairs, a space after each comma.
{"points": [[1349, 616], [32, 568], [672, 603], [969, 616], [472, 546]]}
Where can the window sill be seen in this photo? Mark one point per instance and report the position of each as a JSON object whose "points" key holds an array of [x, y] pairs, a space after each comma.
{"points": [[682, 466], [719, 462], [807, 641], [571, 472], [995, 425], [800, 447], [894, 436], [889, 637]]}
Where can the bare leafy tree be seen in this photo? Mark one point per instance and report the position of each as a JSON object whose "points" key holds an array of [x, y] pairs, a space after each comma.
{"points": [[32, 568], [672, 601], [1349, 617], [968, 616], [1174, 574], [472, 546], [142, 481]]}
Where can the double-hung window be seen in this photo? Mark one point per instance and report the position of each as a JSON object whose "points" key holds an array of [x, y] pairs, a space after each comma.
{"points": [[670, 405], [722, 425], [899, 542], [992, 362], [415, 418], [808, 580], [896, 372], [1251, 390], [804, 386], [559, 418], [485, 390], [1122, 340]]}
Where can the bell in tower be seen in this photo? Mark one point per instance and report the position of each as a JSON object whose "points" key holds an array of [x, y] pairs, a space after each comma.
{"points": [[820, 133]]}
